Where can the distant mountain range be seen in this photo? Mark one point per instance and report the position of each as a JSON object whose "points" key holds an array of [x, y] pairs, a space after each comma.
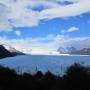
{"points": [[73, 50], [79, 46], [8, 52], [84, 51]]}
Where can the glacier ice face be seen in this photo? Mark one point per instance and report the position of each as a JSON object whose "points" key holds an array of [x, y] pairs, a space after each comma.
{"points": [[57, 64]]}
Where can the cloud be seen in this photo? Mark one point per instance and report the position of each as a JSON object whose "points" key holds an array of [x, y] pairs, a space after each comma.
{"points": [[5, 25], [50, 43], [66, 11], [20, 13], [18, 33], [36, 45], [72, 29]]}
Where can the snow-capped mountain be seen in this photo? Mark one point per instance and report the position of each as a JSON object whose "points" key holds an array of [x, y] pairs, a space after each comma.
{"points": [[73, 50], [7, 51], [66, 50], [4, 52], [77, 46], [13, 50], [84, 51]]}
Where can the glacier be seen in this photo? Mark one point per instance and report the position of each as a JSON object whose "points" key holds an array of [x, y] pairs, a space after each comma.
{"points": [[57, 64]]}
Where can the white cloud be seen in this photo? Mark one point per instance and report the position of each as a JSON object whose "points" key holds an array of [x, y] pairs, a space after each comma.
{"points": [[60, 38], [18, 33], [66, 11], [72, 29], [20, 13], [36, 45], [5, 25]]}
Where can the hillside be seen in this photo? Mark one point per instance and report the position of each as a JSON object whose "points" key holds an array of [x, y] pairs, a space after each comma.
{"points": [[4, 52]]}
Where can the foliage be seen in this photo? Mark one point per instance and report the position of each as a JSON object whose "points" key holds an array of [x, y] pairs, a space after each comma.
{"points": [[77, 77]]}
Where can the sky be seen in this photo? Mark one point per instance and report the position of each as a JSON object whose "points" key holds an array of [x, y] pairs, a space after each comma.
{"points": [[43, 25]]}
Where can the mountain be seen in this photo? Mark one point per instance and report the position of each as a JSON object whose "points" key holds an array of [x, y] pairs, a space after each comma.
{"points": [[13, 50], [75, 46], [62, 50], [4, 52], [73, 50], [67, 50], [84, 51]]}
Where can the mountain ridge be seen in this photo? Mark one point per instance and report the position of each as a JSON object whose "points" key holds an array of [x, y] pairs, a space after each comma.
{"points": [[4, 52]]}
